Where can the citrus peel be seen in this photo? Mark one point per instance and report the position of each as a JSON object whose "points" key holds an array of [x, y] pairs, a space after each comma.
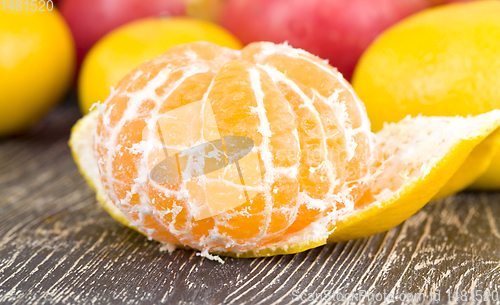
{"points": [[438, 62], [474, 167], [321, 168], [456, 148]]}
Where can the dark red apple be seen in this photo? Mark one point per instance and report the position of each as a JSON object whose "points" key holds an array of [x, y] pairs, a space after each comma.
{"points": [[89, 20], [338, 30]]}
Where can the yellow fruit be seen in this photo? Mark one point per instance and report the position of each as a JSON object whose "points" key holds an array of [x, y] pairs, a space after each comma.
{"points": [[442, 61], [318, 168], [37, 61], [125, 48]]}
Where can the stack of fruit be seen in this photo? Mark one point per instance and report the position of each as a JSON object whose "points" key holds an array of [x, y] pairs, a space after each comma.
{"points": [[412, 57]]}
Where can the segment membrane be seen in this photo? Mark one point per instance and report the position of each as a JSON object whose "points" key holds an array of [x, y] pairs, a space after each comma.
{"points": [[214, 173]]}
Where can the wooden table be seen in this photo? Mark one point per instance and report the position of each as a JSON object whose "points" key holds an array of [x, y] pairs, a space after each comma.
{"points": [[57, 245]]}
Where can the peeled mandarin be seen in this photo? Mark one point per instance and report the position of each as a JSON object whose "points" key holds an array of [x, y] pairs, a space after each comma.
{"points": [[260, 152], [307, 126]]}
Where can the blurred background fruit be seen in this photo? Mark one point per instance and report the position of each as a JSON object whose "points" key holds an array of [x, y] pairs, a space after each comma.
{"points": [[444, 61], [210, 10], [90, 20], [127, 47], [336, 30], [454, 1], [37, 60]]}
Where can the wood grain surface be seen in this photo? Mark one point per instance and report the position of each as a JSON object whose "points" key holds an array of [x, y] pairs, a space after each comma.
{"points": [[57, 245]]}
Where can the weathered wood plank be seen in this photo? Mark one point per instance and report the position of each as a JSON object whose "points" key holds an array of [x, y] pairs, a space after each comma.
{"points": [[58, 246]]}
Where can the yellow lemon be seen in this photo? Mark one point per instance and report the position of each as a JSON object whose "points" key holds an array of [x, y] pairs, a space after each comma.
{"points": [[128, 46], [443, 61], [37, 61]]}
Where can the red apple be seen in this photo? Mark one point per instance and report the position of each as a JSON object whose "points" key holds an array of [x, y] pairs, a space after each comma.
{"points": [[89, 20], [338, 30]]}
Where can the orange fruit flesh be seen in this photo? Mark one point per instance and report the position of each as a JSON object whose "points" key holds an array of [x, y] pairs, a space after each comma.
{"points": [[314, 173], [311, 134]]}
